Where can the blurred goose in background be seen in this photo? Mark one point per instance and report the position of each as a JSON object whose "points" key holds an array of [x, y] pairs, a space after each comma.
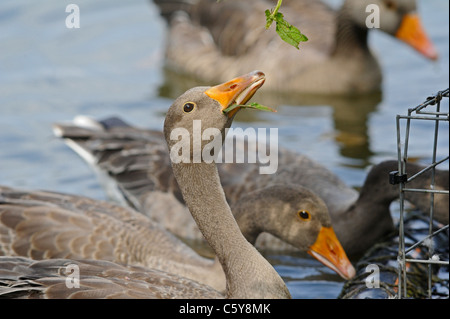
{"points": [[134, 167], [247, 273], [213, 40]]}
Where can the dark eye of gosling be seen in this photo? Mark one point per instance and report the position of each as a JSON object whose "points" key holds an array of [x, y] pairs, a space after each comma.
{"points": [[303, 214], [188, 107]]}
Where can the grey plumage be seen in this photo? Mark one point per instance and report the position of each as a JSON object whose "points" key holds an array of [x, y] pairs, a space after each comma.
{"points": [[203, 194], [229, 36], [347, 207]]}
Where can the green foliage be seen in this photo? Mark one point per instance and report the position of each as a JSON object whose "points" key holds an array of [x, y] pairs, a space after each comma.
{"points": [[285, 30], [251, 106]]}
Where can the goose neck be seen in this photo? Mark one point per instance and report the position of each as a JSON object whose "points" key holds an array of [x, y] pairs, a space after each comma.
{"points": [[248, 274], [350, 37]]}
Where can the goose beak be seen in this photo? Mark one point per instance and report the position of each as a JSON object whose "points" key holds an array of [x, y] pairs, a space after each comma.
{"points": [[328, 250], [237, 91], [412, 32]]}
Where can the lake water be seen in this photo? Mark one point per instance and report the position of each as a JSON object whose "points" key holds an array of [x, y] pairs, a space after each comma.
{"points": [[114, 65]]}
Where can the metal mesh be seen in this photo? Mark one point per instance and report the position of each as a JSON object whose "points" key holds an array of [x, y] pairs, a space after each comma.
{"points": [[382, 256], [435, 109]]}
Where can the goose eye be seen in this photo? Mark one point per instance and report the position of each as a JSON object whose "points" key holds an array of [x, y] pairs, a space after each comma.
{"points": [[188, 107], [304, 215]]}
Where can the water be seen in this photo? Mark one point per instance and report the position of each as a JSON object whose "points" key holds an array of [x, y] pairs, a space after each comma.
{"points": [[113, 65]]}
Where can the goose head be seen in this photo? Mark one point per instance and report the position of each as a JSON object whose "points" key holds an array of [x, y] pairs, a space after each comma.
{"points": [[297, 216], [398, 18], [191, 105]]}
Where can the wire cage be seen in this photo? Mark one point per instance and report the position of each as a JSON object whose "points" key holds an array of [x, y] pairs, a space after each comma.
{"points": [[435, 111]]}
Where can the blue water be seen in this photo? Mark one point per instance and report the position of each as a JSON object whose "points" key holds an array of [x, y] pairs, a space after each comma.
{"points": [[113, 65]]}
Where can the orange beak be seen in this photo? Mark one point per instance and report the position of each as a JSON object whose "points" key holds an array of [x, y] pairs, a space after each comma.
{"points": [[328, 250], [412, 32], [237, 91]]}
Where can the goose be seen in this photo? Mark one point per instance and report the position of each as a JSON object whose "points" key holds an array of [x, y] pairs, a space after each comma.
{"points": [[247, 273], [121, 153], [336, 60], [49, 225], [64, 278]]}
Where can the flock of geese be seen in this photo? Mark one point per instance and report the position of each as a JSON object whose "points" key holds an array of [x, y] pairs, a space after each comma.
{"points": [[134, 250]]}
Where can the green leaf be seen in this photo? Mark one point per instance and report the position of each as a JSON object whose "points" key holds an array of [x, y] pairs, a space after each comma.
{"points": [[288, 32], [231, 108], [260, 107], [269, 19], [250, 106]]}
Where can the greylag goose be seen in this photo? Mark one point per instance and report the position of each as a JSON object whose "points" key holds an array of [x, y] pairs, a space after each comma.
{"points": [[48, 225], [23, 278], [211, 41], [121, 155], [353, 214], [248, 274]]}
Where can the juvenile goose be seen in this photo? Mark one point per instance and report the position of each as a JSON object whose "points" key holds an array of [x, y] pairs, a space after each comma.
{"points": [[248, 274], [229, 36], [121, 154]]}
